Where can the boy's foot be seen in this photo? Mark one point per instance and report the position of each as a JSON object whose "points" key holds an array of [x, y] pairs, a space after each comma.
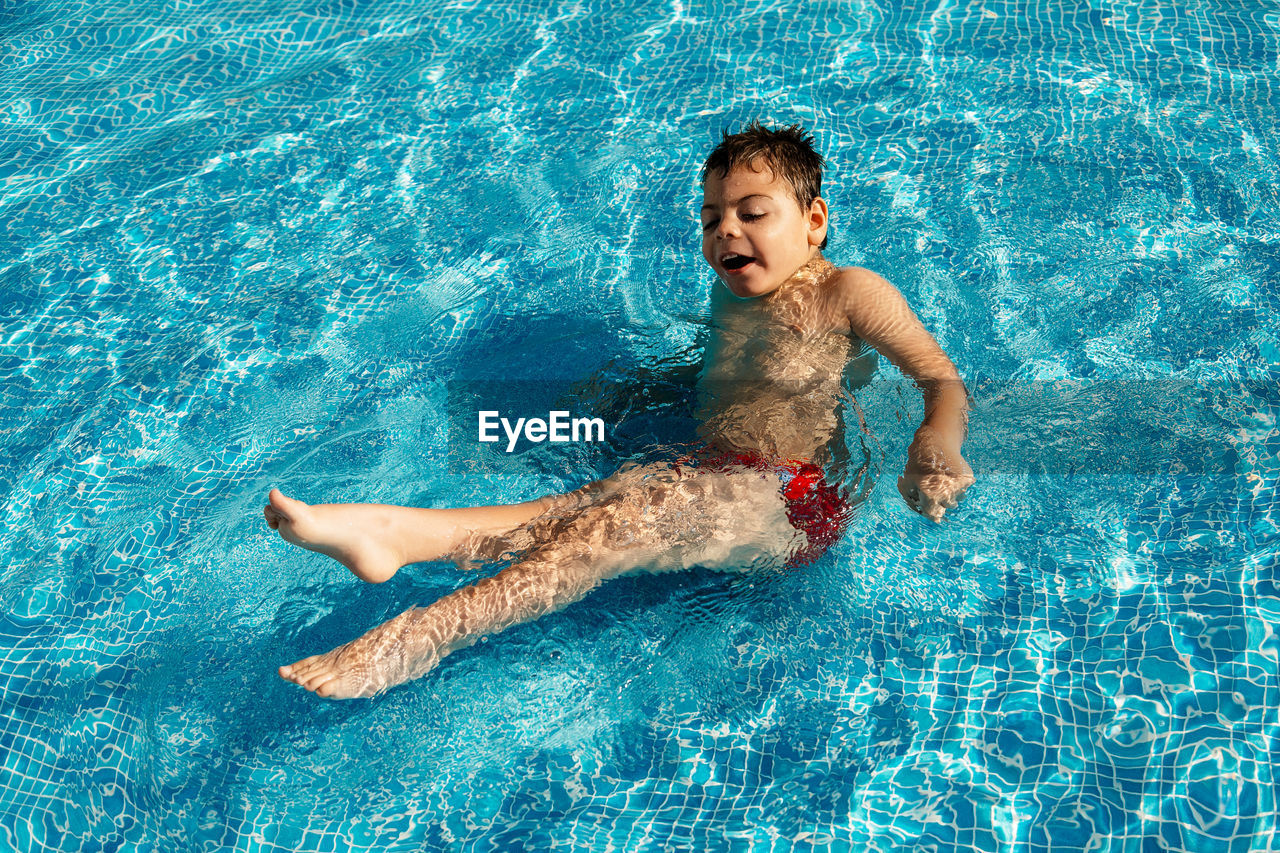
{"points": [[336, 674], [391, 653], [352, 534]]}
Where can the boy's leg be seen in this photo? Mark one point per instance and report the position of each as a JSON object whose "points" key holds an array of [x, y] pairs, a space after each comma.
{"points": [[375, 540], [661, 520]]}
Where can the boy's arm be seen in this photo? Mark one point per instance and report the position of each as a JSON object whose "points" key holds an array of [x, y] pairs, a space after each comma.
{"points": [[936, 474]]}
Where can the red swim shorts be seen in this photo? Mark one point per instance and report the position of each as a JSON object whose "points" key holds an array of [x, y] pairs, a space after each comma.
{"points": [[814, 506]]}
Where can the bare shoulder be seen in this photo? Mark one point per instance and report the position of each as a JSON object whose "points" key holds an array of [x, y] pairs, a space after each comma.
{"points": [[859, 279], [858, 296]]}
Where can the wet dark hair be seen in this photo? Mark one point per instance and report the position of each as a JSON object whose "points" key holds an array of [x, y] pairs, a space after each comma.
{"points": [[787, 151]]}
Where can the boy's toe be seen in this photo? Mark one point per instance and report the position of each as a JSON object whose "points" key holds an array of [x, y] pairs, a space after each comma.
{"points": [[299, 671], [284, 505]]}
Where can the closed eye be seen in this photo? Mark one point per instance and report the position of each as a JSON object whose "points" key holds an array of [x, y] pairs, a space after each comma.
{"points": [[745, 217]]}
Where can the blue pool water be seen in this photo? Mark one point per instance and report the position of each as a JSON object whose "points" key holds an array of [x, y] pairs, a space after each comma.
{"points": [[274, 243]]}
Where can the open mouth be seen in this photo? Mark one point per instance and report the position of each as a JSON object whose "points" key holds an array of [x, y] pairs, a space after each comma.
{"points": [[733, 263]]}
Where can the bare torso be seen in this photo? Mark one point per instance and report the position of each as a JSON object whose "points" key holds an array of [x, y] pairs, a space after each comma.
{"points": [[772, 376]]}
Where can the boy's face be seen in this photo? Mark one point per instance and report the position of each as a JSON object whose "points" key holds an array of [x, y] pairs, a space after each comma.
{"points": [[755, 235]]}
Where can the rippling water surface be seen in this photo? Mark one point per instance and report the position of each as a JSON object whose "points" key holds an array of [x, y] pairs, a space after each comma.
{"points": [[254, 244]]}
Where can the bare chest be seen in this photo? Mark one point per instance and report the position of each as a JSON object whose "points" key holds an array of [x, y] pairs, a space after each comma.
{"points": [[778, 342]]}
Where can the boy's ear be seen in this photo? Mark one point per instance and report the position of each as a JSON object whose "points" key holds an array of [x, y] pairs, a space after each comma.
{"points": [[817, 222]]}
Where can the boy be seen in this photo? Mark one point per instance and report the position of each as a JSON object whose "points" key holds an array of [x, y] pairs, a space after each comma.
{"points": [[784, 327]]}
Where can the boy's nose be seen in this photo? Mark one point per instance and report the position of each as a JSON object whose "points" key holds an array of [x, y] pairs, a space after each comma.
{"points": [[728, 227]]}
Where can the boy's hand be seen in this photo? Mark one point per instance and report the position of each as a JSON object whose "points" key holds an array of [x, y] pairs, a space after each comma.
{"points": [[936, 476]]}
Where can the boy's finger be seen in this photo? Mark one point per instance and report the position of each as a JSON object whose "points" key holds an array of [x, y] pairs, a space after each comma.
{"points": [[910, 493], [903, 488], [928, 506]]}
